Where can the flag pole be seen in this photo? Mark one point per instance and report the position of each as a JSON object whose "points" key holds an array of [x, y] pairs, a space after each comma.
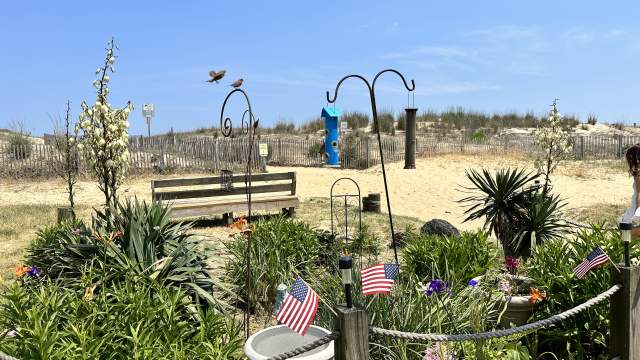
{"points": [[614, 265], [319, 297]]}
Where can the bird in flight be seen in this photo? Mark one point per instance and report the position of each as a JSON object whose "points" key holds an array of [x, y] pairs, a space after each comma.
{"points": [[216, 76], [236, 84]]}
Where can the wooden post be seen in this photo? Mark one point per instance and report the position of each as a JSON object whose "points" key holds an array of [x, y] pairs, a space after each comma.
{"points": [[65, 214], [353, 343], [581, 147], [619, 146], [624, 314]]}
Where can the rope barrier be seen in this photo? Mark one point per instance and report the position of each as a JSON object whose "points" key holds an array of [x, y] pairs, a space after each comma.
{"points": [[499, 333], [305, 348]]}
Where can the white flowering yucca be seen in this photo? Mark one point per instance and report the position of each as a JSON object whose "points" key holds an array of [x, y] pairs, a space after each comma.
{"points": [[555, 142], [104, 138]]}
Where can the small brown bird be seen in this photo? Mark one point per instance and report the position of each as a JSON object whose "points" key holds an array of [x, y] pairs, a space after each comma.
{"points": [[216, 76], [236, 84]]}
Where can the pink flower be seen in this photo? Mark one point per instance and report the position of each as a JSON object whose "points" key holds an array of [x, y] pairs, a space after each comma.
{"points": [[505, 286], [511, 264], [437, 352]]}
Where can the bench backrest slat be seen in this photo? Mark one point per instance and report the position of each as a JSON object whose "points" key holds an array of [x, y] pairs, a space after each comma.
{"points": [[213, 180], [172, 188]]}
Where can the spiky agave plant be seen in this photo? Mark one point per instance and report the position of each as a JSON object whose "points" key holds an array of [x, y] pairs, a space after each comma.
{"points": [[502, 201]]}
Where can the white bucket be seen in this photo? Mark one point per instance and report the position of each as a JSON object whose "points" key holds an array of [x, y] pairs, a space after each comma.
{"points": [[276, 340]]}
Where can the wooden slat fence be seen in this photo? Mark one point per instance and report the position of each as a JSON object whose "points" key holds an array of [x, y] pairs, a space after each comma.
{"points": [[208, 154]]}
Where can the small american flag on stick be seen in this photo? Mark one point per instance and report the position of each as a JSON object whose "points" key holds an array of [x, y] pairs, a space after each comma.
{"points": [[299, 307], [595, 258], [378, 279]]}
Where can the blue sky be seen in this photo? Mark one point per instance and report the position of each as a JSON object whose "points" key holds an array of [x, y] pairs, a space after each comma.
{"points": [[492, 56]]}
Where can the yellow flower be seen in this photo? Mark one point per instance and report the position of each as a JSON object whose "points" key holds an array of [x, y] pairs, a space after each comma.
{"points": [[88, 293]]}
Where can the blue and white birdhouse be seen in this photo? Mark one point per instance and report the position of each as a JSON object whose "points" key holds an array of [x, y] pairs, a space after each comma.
{"points": [[330, 116]]}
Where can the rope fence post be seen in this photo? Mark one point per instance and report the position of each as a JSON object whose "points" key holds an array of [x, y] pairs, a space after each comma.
{"points": [[624, 314], [353, 325]]}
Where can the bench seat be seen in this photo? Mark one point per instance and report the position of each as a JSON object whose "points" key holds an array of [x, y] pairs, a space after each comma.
{"points": [[205, 196]]}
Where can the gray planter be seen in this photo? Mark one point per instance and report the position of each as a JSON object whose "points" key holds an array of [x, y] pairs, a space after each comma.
{"points": [[518, 308], [276, 340]]}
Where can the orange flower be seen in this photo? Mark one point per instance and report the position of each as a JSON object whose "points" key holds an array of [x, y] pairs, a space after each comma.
{"points": [[21, 270], [240, 224], [536, 296]]}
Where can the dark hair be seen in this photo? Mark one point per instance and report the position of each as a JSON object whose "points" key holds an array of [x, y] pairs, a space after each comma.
{"points": [[633, 159]]}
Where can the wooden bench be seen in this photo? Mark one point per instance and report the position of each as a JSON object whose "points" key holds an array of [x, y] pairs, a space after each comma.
{"points": [[205, 196]]}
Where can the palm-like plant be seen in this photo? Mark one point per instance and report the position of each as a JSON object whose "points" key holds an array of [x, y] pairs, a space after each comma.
{"points": [[502, 200], [542, 219]]}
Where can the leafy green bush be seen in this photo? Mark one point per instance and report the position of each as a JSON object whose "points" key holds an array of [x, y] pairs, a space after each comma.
{"points": [[19, 146], [551, 268], [312, 125], [316, 149], [468, 310], [386, 122], [456, 259], [284, 127], [280, 249], [136, 238], [136, 318], [355, 119], [592, 119], [476, 136]]}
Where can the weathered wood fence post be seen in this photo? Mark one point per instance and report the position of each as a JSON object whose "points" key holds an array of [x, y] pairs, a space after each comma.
{"points": [[353, 343], [620, 146], [624, 315], [65, 214]]}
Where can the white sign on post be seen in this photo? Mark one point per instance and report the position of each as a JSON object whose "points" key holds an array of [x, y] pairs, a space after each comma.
{"points": [[344, 125], [263, 149], [148, 110]]}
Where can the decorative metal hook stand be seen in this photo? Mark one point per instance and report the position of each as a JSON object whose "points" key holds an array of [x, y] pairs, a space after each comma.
{"points": [[346, 198], [374, 112], [247, 127]]}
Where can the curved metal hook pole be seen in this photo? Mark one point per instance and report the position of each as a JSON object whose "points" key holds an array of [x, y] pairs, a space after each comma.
{"points": [[374, 112], [226, 126], [247, 127]]}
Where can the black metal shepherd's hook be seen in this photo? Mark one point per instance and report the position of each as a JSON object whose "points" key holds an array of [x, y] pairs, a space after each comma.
{"points": [[371, 87], [248, 127]]}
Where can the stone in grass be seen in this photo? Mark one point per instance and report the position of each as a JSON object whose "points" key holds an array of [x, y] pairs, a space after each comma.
{"points": [[439, 227], [400, 240]]}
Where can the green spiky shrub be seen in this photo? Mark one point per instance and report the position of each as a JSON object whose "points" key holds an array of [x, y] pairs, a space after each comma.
{"points": [[134, 238], [136, 318], [513, 207], [551, 268], [467, 310], [280, 250], [460, 259]]}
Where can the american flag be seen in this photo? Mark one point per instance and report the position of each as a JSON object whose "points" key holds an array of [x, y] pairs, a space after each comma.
{"points": [[378, 279], [299, 307], [595, 258]]}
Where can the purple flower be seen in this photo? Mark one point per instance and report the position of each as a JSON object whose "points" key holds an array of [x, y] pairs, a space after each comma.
{"points": [[473, 283], [437, 286], [34, 271]]}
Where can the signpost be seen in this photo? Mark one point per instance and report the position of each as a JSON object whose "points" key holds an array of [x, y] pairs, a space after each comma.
{"points": [[263, 149], [148, 110]]}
